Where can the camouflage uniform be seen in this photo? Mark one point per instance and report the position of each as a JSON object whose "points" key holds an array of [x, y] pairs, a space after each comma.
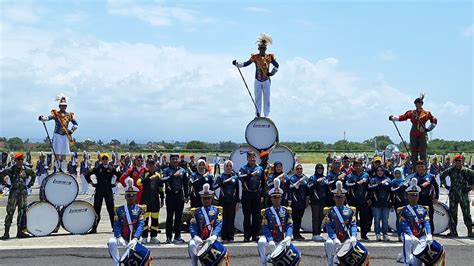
{"points": [[461, 180], [18, 191]]}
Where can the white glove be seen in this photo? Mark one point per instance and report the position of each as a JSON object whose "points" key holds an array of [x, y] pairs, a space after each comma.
{"points": [[121, 241], [197, 240], [43, 118], [353, 239], [133, 242], [212, 238], [272, 244], [429, 238], [337, 241], [287, 240]]}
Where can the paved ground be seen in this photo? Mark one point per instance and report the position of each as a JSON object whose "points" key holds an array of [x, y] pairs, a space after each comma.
{"points": [[62, 247]]}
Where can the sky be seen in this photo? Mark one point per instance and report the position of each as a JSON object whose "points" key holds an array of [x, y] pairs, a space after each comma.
{"points": [[161, 70]]}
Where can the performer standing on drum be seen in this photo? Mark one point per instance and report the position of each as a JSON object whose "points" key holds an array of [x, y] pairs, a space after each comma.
{"points": [[462, 181], [41, 168], [253, 187], [418, 132], [299, 198], [359, 196], [205, 224], [340, 223], [18, 175], [228, 198], [197, 180], [318, 191], [104, 173], [153, 197], [277, 224], [128, 223], [262, 73], [62, 135], [414, 225], [176, 186]]}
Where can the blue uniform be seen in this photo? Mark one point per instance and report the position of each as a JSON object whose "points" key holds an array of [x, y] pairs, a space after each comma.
{"points": [[66, 117], [334, 227], [270, 228], [121, 227], [414, 226], [198, 225], [41, 168]]}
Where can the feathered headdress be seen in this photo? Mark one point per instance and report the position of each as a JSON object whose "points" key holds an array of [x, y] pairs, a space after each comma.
{"points": [[276, 190], [130, 189], [420, 99], [413, 187], [206, 191], [264, 39], [339, 190], [62, 99]]}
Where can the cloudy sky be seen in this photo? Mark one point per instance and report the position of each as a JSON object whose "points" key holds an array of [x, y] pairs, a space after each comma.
{"points": [[161, 70]]}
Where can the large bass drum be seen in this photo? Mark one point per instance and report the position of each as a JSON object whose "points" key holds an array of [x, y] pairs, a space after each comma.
{"points": [[59, 189], [261, 133], [78, 217], [239, 156], [284, 155], [41, 218]]}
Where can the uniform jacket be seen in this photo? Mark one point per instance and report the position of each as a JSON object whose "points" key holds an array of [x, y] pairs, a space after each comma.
{"points": [[198, 225], [270, 227], [414, 226], [334, 227], [121, 227]]}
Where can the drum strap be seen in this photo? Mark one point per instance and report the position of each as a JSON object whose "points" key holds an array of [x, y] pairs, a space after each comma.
{"points": [[206, 218], [129, 222], [277, 218], [413, 213]]}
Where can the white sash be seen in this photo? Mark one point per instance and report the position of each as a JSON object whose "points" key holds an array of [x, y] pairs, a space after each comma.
{"points": [[277, 218], [339, 217], [129, 221], [206, 218]]}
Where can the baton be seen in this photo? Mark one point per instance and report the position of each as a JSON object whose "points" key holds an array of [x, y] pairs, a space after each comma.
{"points": [[256, 109], [403, 141], [50, 142]]}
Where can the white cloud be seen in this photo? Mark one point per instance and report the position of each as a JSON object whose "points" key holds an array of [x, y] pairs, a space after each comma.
{"points": [[255, 9], [468, 31], [387, 55], [23, 14], [146, 92]]}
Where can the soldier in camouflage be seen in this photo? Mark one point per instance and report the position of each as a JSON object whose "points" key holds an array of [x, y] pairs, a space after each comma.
{"points": [[18, 174], [462, 181]]}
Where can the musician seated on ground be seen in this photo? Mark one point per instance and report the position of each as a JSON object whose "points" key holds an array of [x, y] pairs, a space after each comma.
{"points": [[414, 225], [340, 224], [128, 223], [205, 224], [277, 224]]}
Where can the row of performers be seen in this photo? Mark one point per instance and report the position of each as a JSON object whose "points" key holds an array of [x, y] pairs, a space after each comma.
{"points": [[275, 243]]}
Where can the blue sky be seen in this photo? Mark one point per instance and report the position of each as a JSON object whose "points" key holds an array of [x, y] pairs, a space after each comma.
{"points": [[164, 66]]}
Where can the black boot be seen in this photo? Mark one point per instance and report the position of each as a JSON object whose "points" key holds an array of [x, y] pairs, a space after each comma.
{"points": [[20, 233], [6, 235]]}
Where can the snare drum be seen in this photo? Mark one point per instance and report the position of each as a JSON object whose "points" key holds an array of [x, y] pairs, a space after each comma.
{"points": [[239, 156], [284, 155], [261, 133], [429, 253], [59, 189], [212, 253], [41, 218], [350, 254], [78, 217], [441, 218], [285, 255], [139, 255]]}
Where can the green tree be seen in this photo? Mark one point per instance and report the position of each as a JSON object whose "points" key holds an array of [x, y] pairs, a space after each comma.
{"points": [[15, 144], [197, 145]]}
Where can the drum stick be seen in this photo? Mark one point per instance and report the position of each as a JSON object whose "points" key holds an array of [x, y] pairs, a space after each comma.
{"points": [[256, 109], [400, 135]]}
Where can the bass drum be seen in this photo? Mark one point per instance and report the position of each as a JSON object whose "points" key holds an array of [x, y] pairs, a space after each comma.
{"points": [[41, 218], [392, 219], [59, 189], [78, 217], [261, 133], [284, 155], [239, 156], [306, 222], [441, 218]]}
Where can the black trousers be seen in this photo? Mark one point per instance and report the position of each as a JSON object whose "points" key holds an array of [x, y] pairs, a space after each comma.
{"points": [[108, 196], [251, 211], [317, 218], [174, 207], [228, 221], [431, 214], [297, 217], [365, 219]]}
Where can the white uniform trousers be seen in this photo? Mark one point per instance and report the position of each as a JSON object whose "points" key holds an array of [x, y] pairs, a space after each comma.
{"points": [[262, 88], [193, 252], [331, 249], [113, 251], [84, 184], [409, 244], [262, 250]]}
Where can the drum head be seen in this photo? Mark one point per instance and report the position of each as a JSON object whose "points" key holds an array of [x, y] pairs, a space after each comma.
{"points": [[41, 218], [346, 247], [261, 133], [420, 247], [284, 155], [278, 250], [204, 248], [392, 219], [239, 156], [440, 218], [78, 217], [60, 189]]}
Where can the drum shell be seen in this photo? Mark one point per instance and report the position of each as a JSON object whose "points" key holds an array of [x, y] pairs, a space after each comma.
{"points": [[441, 218], [431, 253], [65, 202], [356, 255], [283, 154], [266, 131], [239, 156], [290, 256], [34, 233], [139, 256], [63, 210], [208, 259]]}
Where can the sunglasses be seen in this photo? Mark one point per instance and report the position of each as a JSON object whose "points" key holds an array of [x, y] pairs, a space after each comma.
{"points": [[129, 195], [19, 159], [458, 160], [299, 168]]}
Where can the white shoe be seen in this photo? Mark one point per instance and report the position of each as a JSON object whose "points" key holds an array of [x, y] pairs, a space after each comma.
{"points": [[317, 238], [144, 240], [386, 238], [400, 258], [154, 240], [378, 237]]}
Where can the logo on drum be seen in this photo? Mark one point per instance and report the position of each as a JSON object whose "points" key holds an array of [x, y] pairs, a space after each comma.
{"points": [[213, 255], [78, 210], [61, 182], [287, 259], [261, 126]]}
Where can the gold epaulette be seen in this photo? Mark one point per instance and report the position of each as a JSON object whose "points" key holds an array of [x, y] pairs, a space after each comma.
{"points": [[220, 208], [288, 209], [193, 211], [326, 210], [426, 207], [353, 209], [399, 210], [142, 207], [262, 212], [116, 207]]}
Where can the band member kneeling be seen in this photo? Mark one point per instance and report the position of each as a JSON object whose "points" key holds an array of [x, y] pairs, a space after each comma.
{"points": [[342, 246], [277, 227], [129, 224], [416, 232], [205, 227]]}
